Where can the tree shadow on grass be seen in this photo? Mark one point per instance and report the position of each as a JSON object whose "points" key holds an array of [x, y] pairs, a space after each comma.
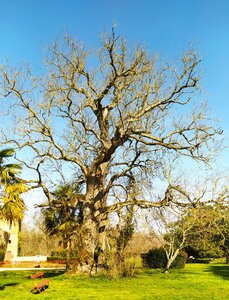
{"points": [[3, 286], [49, 274], [222, 271], [56, 273]]}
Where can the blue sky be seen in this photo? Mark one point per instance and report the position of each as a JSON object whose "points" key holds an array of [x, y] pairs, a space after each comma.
{"points": [[166, 27]]}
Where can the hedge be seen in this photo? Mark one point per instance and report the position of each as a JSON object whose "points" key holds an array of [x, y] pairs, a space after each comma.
{"points": [[156, 258]]}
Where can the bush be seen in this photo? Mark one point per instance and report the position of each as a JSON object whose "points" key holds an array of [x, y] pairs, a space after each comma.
{"points": [[116, 266], [203, 260], [59, 254], [131, 266], [179, 262], [56, 259], [156, 258]]}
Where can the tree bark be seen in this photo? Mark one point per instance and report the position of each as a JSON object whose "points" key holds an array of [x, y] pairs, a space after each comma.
{"points": [[95, 221], [171, 259]]}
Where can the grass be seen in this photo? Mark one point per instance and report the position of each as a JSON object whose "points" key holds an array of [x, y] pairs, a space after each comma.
{"points": [[196, 281]]}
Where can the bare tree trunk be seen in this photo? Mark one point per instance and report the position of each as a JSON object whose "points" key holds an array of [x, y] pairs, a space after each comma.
{"points": [[170, 260], [88, 241], [169, 263], [95, 221]]}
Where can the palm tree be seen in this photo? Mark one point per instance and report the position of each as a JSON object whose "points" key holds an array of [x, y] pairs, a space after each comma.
{"points": [[8, 171], [63, 215], [12, 205]]}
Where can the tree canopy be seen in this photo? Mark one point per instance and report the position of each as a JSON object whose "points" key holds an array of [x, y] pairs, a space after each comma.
{"points": [[112, 116]]}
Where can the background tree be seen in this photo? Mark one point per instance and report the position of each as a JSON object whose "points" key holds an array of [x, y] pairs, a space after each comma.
{"points": [[34, 241], [203, 225], [142, 242], [63, 217], [11, 189], [12, 204], [209, 233], [107, 115], [172, 232], [8, 171], [119, 237]]}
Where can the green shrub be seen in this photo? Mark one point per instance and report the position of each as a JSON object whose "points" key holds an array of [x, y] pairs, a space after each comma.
{"points": [[220, 260], [179, 262], [59, 254], [203, 260], [156, 258], [56, 258], [131, 266], [120, 266]]}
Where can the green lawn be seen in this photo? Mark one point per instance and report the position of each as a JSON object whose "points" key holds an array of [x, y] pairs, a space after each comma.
{"points": [[196, 281]]}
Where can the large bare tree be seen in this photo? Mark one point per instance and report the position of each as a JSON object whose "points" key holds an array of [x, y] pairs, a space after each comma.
{"points": [[112, 116]]}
